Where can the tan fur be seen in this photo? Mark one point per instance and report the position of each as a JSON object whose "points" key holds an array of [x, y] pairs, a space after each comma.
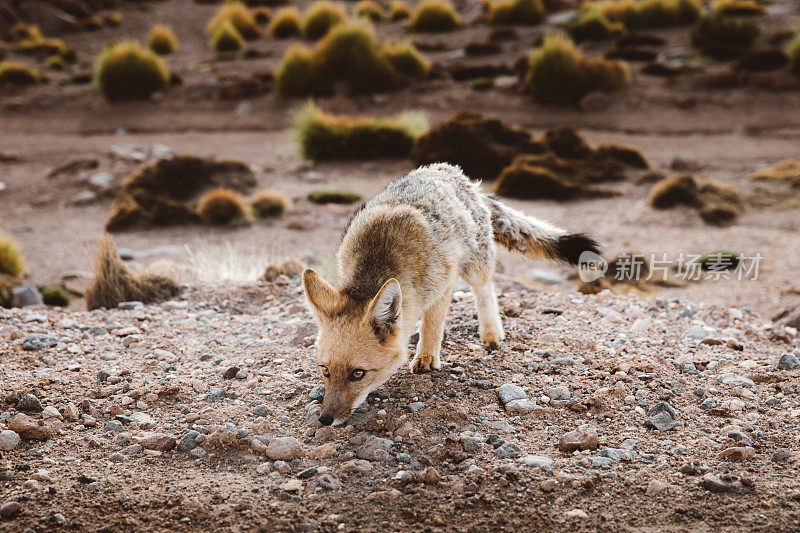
{"points": [[399, 261]]}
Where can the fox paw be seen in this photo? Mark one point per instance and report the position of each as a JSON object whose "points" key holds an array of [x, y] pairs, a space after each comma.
{"points": [[425, 363], [492, 340]]}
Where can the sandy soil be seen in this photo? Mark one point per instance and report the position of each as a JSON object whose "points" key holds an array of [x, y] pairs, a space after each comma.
{"points": [[727, 134]]}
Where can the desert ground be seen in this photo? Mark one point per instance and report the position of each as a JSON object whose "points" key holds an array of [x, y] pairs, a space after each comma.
{"points": [[640, 408]]}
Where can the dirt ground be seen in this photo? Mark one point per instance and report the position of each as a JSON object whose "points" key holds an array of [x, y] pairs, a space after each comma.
{"points": [[621, 366]]}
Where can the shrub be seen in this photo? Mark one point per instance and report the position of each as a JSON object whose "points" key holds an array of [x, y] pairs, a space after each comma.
{"points": [[738, 7], [114, 282], [321, 135], [112, 20], [262, 15], [399, 10], [269, 203], [162, 40], [55, 295], [291, 267], [13, 73], [349, 53], [515, 12], [55, 62], [221, 206], [794, 56], [126, 71], [593, 25], [722, 37], [319, 18], [11, 261], [559, 73], [718, 203], [240, 16], [369, 9], [636, 14], [434, 16], [332, 196], [92, 23], [24, 32], [286, 23], [226, 38], [294, 75], [406, 59]]}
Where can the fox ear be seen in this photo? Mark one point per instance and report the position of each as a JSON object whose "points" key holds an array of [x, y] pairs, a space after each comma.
{"points": [[320, 294], [384, 309]]}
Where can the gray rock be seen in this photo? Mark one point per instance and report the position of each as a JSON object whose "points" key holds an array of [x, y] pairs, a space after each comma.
{"points": [[189, 441], [584, 437], [9, 440], [708, 404], [29, 403], [369, 450], [618, 454], [26, 295], [129, 306], [600, 462], [508, 450], [114, 425], [781, 455], [415, 406], [510, 392], [327, 481], [545, 463], [143, 420], [317, 393], [560, 392], [520, 407], [284, 449], [696, 332], [230, 372], [788, 361], [261, 410], [10, 509], [726, 483], [661, 407], [661, 421], [735, 380], [37, 341], [215, 395]]}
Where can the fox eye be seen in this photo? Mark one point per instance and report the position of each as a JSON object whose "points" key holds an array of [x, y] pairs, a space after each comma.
{"points": [[325, 371], [357, 374]]}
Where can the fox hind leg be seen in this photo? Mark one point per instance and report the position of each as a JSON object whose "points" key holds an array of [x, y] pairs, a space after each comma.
{"points": [[431, 333], [490, 328]]}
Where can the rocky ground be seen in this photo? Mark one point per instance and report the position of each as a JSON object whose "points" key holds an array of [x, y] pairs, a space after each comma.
{"points": [[601, 412]]}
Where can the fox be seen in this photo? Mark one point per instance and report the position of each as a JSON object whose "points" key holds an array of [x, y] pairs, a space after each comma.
{"points": [[398, 263]]}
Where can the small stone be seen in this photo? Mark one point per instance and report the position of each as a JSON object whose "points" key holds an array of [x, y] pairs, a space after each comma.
{"points": [[415, 406], [735, 380], [576, 513], [116, 457], [327, 481], [510, 392], [37, 342], [114, 426], [693, 469], [28, 428], [662, 407], [323, 450], [726, 483], [284, 449], [520, 407], [708, 404], [360, 466], [143, 420], [261, 410], [545, 463], [618, 454], [737, 453], [508, 450], [293, 485], [662, 422], [26, 295], [656, 486], [317, 393], [10, 510], [230, 372], [158, 442], [558, 393], [215, 395], [29, 403], [582, 438], [788, 361], [189, 441], [371, 448], [9, 440], [781, 455]]}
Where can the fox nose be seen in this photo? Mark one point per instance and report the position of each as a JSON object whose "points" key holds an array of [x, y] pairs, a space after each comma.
{"points": [[325, 420]]}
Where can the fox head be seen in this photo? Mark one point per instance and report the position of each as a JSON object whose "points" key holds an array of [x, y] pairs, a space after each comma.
{"points": [[359, 346]]}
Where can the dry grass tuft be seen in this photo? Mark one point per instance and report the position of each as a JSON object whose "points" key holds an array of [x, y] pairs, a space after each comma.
{"points": [[291, 268], [221, 207], [114, 282], [434, 16], [285, 23], [240, 16], [739, 7], [399, 10], [126, 71], [507, 12], [162, 40], [723, 37], [13, 73], [226, 38], [323, 136], [333, 196], [319, 18], [718, 203], [370, 10], [270, 203], [11, 260]]}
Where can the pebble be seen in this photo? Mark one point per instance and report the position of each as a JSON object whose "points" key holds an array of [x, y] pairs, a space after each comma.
{"points": [[520, 407], [737, 453], [10, 510], [545, 463], [726, 483], [661, 421], [781, 455], [582, 438], [558, 393], [284, 449], [370, 449], [415, 406], [188, 441], [38, 342], [317, 393], [9, 440], [29, 403], [708, 404], [29, 428], [510, 392], [788, 361]]}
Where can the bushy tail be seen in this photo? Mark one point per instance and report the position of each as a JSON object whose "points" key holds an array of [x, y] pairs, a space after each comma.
{"points": [[536, 238]]}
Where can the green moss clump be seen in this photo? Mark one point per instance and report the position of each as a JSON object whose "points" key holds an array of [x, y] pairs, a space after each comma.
{"points": [[332, 196], [56, 295]]}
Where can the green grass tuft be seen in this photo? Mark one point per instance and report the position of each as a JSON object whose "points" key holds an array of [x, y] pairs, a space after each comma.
{"points": [[559, 73], [162, 40], [269, 203], [285, 23], [434, 16], [322, 136], [738, 7], [226, 38], [332, 196], [370, 10], [593, 25], [11, 261], [794, 55], [240, 16], [13, 73], [722, 37], [319, 18], [126, 71], [527, 12], [399, 10]]}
